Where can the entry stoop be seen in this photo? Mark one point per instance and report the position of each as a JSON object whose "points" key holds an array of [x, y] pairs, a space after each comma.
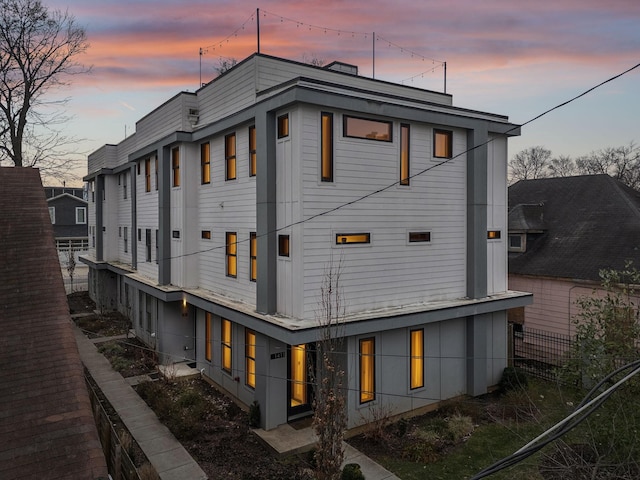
{"points": [[286, 440]]}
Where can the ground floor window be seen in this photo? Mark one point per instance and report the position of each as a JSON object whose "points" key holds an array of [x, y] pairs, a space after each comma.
{"points": [[207, 336], [417, 358], [226, 345], [250, 357], [367, 369], [298, 375]]}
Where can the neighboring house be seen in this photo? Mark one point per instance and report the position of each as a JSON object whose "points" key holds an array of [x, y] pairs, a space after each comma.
{"points": [[47, 429], [68, 212], [562, 232], [215, 222]]}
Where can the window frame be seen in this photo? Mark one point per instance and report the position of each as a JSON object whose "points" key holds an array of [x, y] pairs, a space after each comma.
{"points": [[346, 134], [366, 396], [449, 146], [207, 336], [124, 185], [282, 126], [253, 256], [416, 360], [147, 244], [405, 155], [523, 242], [125, 238], [366, 240], [250, 358], [205, 163], [230, 157], [231, 254], [284, 241], [84, 215], [156, 171], [205, 234], [147, 174], [52, 215], [416, 237], [175, 167], [226, 338], [253, 151], [326, 147]]}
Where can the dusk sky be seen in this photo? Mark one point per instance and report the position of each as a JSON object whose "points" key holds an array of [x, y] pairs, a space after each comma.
{"points": [[516, 58]]}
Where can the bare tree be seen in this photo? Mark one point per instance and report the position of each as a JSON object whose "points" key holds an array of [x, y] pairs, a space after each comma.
{"points": [[226, 64], [329, 419], [562, 166], [622, 163], [313, 60], [38, 52], [530, 163]]}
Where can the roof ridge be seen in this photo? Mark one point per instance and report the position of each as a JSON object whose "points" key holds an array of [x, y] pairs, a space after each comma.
{"points": [[620, 188]]}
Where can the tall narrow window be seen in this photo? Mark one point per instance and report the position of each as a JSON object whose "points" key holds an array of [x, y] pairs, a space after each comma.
{"points": [[156, 172], [232, 250], [207, 336], [442, 144], [250, 357], [175, 166], [148, 244], [252, 152], [52, 215], [157, 248], [81, 215], [147, 175], [124, 184], [417, 358], [125, 231], [226, 345], [367, 370], [404, 154], [230, 156], [326, 147], [283, 126], [205, 163], [253, 256], [298, 367]]}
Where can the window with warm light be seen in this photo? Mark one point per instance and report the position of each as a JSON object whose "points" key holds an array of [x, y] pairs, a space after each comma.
{"points": [[351, 238], [419, 237], [226, 345], [298, 366], [232, 251], [175, 166], [205, 234], [283, 245], [230, 156], [205, 163], [404, 154], [368, 129], [442, 144], [326, 147], [283, 126], [416, 370], [253, 256], [493, 235], [250, 357], [253, 149], [207, 336], [147, 175], [367, 370]]}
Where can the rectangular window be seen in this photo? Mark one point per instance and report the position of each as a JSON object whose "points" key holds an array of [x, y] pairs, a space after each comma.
{"points": [[52, 215], [253, 256], [252, 152], [175, 234], [226, 345], [442, 144], [283, 245], [125, 231], [81, 215], [139, 234], [175, 166], [232, 251], [419, 237], [326, 147], [348, 238], [147, 175], [124, 185], [493, 234], [205, 163], [206, 234], [417, 359], [283, 126], [148, 243], [367, 370], [207, 336], [517, 242], [250, 357], [230, 156], [157, 249], [404, 154], [156, 171], [365, 128]]}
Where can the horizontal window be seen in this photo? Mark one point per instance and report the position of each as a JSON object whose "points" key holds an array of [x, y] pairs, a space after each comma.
{"points": [[493, 234], [206, 234], [365, 128], [419, 237], [347, 238]]}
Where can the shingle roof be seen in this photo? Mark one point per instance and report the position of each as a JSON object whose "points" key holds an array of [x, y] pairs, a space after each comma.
{"points": [[46, 423], [589, 223]]}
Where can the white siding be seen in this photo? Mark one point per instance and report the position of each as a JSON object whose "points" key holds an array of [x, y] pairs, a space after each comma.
{"points": [[497, 214], [147, 218]]}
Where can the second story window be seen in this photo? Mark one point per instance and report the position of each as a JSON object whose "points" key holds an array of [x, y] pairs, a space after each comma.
{"points": [[366, 128], [81, 215], [283, 126], [404, 154], [326, 147], [205, 163], [156, 171], [230, 156], [231, 252], [148, 244], [442, 144], [124, 185], [125, 238], [253, 256], [175, 166], [147, 175], [283, 245], [252, 152]]}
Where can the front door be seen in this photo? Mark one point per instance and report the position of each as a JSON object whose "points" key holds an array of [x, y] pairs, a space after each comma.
{"points": [[300, 390]]}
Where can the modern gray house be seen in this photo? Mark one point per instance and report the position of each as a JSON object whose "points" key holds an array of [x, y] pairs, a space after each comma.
{"points": [[214, 224], [68, 213]]}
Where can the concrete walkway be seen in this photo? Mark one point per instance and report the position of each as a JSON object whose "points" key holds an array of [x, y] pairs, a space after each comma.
{"points": [[165, 453]]}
